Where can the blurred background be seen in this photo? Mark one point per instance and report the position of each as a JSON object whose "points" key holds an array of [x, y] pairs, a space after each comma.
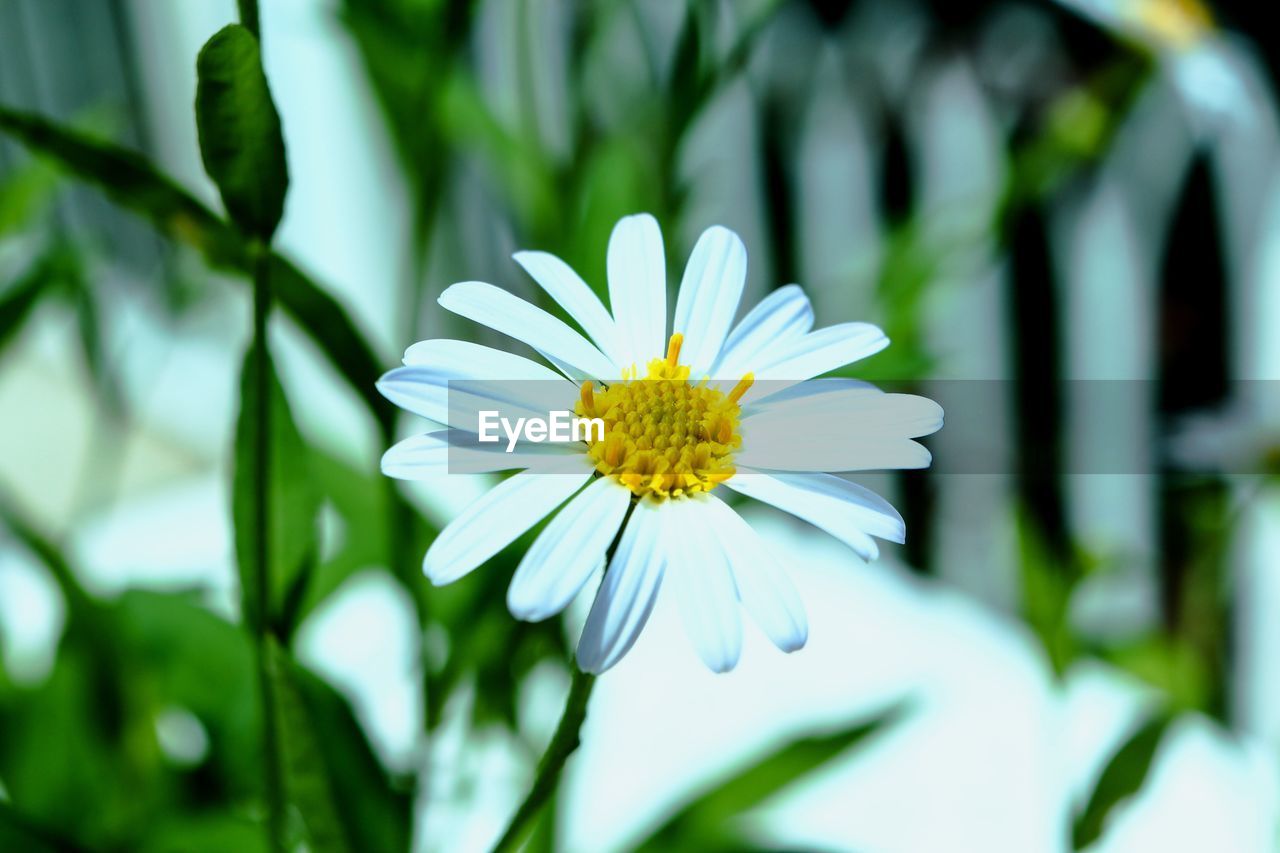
{"points": [[1043, 199]]}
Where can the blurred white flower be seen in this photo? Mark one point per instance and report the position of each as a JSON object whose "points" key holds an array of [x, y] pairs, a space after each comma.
{"points": [[673, 435], [1183, 35]]}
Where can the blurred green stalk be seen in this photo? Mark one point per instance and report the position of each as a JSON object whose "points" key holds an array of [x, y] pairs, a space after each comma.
{"points": [[565, 741], [563, 744], [262, 542]]}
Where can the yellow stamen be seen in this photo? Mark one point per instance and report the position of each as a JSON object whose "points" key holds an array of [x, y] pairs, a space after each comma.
{"points": [[665, 436], [673, 349]]}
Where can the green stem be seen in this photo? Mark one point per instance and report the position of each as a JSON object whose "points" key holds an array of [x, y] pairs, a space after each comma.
{"points": [[274, 765], [248, 10], [563, 744], [273, 759]]}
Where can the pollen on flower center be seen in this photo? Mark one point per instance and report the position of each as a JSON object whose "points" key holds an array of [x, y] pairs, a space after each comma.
{"points": [[664, 435]]}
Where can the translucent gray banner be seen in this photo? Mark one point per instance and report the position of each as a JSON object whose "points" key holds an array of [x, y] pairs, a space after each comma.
{"points": [[845, 425]]}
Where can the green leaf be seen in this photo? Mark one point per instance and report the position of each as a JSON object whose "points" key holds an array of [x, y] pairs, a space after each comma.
{"points": [[1048, 580], [617, 177], [345, 798], [1174, 665], [240, 139], [487, 648], [406, 47], [25, 194], [17, 302], [1123, 777], [195, 832], [17, 832], [194, 659], [704, 823], [134, 184], [686, 86], [363, 500], [293, 509]]}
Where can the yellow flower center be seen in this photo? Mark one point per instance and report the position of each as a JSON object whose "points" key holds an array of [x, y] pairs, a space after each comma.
{"points": [[664, 435]]}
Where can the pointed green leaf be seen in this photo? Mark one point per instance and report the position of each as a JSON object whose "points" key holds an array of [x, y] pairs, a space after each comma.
{"points": [[293, 504], [240, 139], [702, 824], [16, 303], [1123, 777]]}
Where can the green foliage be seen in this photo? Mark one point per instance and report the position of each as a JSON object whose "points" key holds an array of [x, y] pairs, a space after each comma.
{"points": [[343, 796], [240, 139], [19, 833], [706, 822], [546, 779], [294, 504], [19, 299], [80, 753], [487, 647], [132, 182], [1172, 664], [25, 194], [1121, 779], [617, 178], [1048, 579], [363, 504], [119, 666]]}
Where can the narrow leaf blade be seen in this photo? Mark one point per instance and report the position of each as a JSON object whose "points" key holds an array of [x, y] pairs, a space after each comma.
{"points": [[135, 185], [293, 509], [1123, 777], [703, 821]]}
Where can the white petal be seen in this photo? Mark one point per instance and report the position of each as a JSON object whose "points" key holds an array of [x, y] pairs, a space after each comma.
{"points": [[895, 455], [573, 294], [766, 591], [698, 569], [494, 307], [567, 551], [709, 296], [856, 413], [638, 289], [782, 315], [802, 392], [818, 352], [443, 452], [451, 400], [629, 589], [852, 430], [422, 386], [467, 360], [495, 520], [846, 510]]}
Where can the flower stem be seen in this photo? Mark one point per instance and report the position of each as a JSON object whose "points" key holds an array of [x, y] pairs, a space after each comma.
{"points": [[274, 764], [248, 11], [563, 744]]}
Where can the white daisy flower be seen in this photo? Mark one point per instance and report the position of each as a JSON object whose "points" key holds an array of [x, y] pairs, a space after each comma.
{"points": [[674, 441]]}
